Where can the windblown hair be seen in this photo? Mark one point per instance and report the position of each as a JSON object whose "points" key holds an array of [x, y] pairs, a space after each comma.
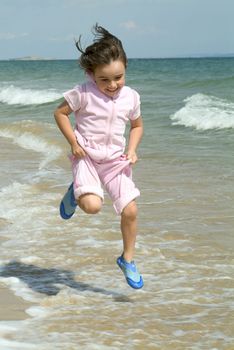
{"points": [[105, 48]]}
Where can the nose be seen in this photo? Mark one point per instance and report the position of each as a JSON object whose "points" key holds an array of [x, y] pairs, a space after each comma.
{"points": [[112, 85]]}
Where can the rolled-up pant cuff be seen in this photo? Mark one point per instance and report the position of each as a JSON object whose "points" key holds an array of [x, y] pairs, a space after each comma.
{"points": [[121, 203]]}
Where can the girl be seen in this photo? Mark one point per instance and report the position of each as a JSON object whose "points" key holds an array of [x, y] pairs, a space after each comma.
{"points": [[102, 107]]}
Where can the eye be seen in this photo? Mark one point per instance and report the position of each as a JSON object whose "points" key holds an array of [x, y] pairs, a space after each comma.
{"points": [[118, 77]]}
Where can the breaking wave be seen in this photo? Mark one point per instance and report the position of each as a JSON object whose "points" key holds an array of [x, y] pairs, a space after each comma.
{"points": [[12, 95], [204, 112]]}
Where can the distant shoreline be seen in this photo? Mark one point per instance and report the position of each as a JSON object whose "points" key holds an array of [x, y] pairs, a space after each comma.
{"points": [[31, 58], [38, 58]]}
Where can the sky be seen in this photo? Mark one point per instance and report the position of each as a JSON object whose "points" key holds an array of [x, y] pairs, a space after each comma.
{"points": [[147, 28]]}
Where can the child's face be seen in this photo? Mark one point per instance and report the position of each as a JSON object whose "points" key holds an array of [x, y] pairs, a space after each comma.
{"points": [[110, 78]]}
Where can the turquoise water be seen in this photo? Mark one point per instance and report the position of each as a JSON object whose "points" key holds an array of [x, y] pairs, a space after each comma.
{"points": [[185, 242]]}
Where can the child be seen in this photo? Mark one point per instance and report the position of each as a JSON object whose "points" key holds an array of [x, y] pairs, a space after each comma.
{"points": [[102, 107]]}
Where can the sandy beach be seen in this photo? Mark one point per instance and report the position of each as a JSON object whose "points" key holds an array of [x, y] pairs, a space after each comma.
{"points": [[12, 307]]}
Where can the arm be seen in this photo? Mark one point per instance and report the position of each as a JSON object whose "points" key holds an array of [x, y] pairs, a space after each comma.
{"points": [[135, 135], [61, 115]]}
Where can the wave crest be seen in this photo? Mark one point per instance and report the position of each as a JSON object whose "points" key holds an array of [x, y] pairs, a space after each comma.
{"points": [[30, 141], [12, 95], [204, 112]]}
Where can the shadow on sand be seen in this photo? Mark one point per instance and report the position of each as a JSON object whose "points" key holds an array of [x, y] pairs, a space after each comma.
{"points": [[46, 281]]}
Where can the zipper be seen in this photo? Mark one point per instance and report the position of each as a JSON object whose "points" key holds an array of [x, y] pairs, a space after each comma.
{"points": [[109, 126]]}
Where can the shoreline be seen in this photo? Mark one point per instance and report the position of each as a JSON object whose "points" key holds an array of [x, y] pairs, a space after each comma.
{"points": [[12, 308]]}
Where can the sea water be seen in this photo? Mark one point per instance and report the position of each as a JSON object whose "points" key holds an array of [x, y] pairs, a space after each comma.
{"points": [[66, 269]]}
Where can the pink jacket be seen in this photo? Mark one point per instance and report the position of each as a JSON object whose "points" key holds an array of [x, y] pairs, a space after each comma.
{"points": [[101, 120]]}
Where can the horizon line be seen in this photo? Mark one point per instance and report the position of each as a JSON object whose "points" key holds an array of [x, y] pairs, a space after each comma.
{"points": [[39, 58]]}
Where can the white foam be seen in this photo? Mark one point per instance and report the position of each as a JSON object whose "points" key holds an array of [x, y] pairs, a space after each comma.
{"points": [[12, 345], [6, 327], [204, 112], [20, 207], [30, 259], [20, 289], [38, 311], [12, 95], [8, 195], [29, 141]]}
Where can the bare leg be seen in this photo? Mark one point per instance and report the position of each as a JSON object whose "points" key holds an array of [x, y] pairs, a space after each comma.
{"points": [[129, 230], [90, 203]]}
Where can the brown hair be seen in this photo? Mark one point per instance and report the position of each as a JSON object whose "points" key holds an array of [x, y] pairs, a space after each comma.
{"points": [[105, 48]]}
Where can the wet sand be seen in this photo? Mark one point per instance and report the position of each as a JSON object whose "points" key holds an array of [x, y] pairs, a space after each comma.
{"points": [[12, 308]]}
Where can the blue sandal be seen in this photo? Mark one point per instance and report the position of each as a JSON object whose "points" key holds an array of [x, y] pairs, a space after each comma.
{"points": [[133, 278], [68, 204]]}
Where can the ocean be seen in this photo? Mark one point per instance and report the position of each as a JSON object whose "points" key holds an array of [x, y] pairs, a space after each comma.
{"points": [[67, 269]]}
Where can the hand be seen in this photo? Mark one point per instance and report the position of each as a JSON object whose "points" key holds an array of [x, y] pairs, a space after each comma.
{"points": [[132, 156], [77, 151]]}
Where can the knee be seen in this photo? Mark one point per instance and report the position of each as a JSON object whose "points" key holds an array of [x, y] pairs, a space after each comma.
{"points": [[90, 204], [130, 211]]}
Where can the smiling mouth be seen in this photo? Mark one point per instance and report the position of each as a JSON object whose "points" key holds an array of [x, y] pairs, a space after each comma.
{"points": [[111, 91]]}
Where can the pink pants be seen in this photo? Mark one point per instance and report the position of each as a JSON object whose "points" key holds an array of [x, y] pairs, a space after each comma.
{"points": [[114, 175]]}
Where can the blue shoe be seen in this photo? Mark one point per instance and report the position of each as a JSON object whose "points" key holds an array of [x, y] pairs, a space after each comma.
{"points": [[130, 272], [68, 204]]}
